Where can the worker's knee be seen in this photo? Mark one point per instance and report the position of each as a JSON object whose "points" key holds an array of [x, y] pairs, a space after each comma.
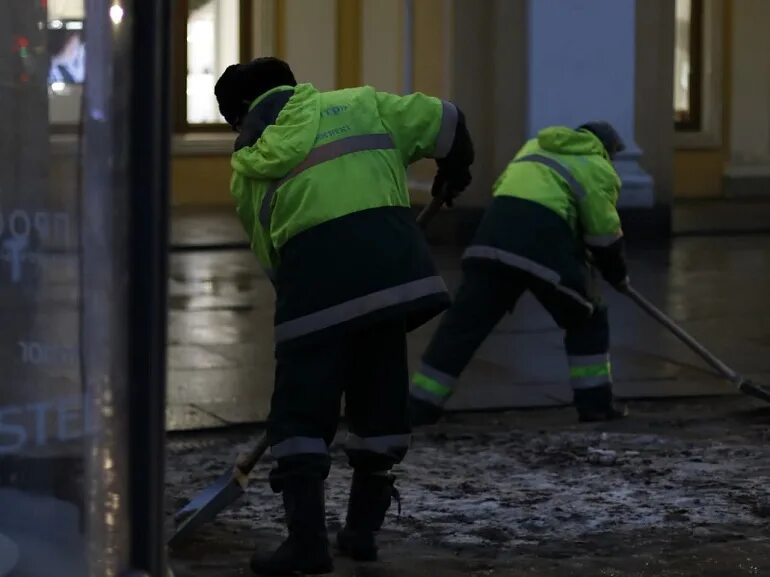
{"points": [[599, 320], [367, 462], [315, 466], [590, 336], [376, 453]]}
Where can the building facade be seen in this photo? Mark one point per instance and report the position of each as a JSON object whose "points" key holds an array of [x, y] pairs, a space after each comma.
{"points": [[686, 82]]}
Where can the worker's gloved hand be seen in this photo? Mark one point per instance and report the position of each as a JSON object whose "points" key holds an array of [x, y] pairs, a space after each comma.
{"points": [[448, 189], [615, 273], [623, 285], [422, 413], [454, 170], [616, 276], [611, 262]]}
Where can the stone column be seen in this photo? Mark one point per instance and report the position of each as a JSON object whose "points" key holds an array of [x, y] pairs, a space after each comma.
{"points": [[582, 58], [748, 168], [310, 41]]}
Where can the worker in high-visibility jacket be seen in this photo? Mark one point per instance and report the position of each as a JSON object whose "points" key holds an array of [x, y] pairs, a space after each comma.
{"points": [[553, 206], [320, 183]]}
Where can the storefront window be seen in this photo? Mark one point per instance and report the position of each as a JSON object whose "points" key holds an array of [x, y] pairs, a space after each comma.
{"points": [[67, 50], [687, 64], [67, 234], [43, 428]]}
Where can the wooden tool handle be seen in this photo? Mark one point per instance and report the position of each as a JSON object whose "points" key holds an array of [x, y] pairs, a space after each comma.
{"points": [[247, 462], [431, 210]]}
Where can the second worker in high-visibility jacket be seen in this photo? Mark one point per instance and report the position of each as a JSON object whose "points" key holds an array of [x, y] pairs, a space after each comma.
{"points": [[319, 180], [553, 206]]}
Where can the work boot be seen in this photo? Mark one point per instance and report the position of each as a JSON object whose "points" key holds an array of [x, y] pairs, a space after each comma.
{"points": [[596, 404], [370, 497], [307, 548]]}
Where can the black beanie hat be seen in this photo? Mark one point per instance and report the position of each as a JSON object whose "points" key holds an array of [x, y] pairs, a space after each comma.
{"points": [[241, 84], [605, 132]]}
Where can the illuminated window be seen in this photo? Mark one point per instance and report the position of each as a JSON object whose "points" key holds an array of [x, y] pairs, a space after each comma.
{"points": [[688, 65], [212, 45], [209, 36]]}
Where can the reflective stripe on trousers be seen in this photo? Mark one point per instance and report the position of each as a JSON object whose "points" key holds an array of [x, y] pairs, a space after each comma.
{"points": [[299, 446], [383, 445], [588, 371], [319, 155], [527, 265], [359, 307], [432, 386]]}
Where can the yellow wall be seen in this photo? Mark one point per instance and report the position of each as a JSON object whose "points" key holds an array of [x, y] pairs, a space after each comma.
{"points": [[382, 45], [429, 47], [348, 48], [429, 72], [310, 40], [200, 180], [699, 173]]}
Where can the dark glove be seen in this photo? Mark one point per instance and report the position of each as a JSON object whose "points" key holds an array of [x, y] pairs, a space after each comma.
{"points": [[422, 413], [623, 285], [611, 262], [447, 189], [454, 174]]}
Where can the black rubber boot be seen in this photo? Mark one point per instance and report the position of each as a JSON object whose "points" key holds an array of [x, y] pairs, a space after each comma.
{"points": [[307, 548], [370, 498], [597, 404]]}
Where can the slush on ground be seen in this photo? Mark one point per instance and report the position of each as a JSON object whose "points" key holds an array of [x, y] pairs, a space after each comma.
{"points": [[680, 488]]}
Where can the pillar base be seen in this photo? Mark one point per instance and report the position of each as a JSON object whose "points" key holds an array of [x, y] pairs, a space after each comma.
{"points": [[638, 186], [747, 181]]}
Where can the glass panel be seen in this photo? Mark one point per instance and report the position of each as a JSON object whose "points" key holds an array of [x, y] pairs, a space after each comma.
{"points": [[683, 61], [213, 40], [62, 439], [42, 424]]}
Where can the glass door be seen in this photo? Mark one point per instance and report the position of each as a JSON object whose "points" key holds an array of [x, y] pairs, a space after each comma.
{"points": [[80, 446]]}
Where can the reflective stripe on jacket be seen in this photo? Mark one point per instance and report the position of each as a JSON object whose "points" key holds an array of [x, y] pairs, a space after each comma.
{"points": [[580, 184], [322, 192]]}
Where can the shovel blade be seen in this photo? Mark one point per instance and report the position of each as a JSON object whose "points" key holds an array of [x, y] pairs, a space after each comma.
{"points": [[750, 388], [205, 506]]}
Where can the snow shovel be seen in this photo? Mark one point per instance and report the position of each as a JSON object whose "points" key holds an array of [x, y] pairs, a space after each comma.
{"points": [[744, 385], [231, 485], [226, 490]]}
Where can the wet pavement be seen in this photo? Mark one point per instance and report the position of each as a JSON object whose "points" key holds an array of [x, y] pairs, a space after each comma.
{"points": [[679, 489], [220, 337]]}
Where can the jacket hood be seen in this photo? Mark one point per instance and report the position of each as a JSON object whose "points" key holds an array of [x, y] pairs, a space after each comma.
{"points": [[563, 140], [286, 143]]}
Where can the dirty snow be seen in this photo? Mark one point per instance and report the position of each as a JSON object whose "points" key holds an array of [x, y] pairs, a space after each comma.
{"points": [[497, 482]]}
